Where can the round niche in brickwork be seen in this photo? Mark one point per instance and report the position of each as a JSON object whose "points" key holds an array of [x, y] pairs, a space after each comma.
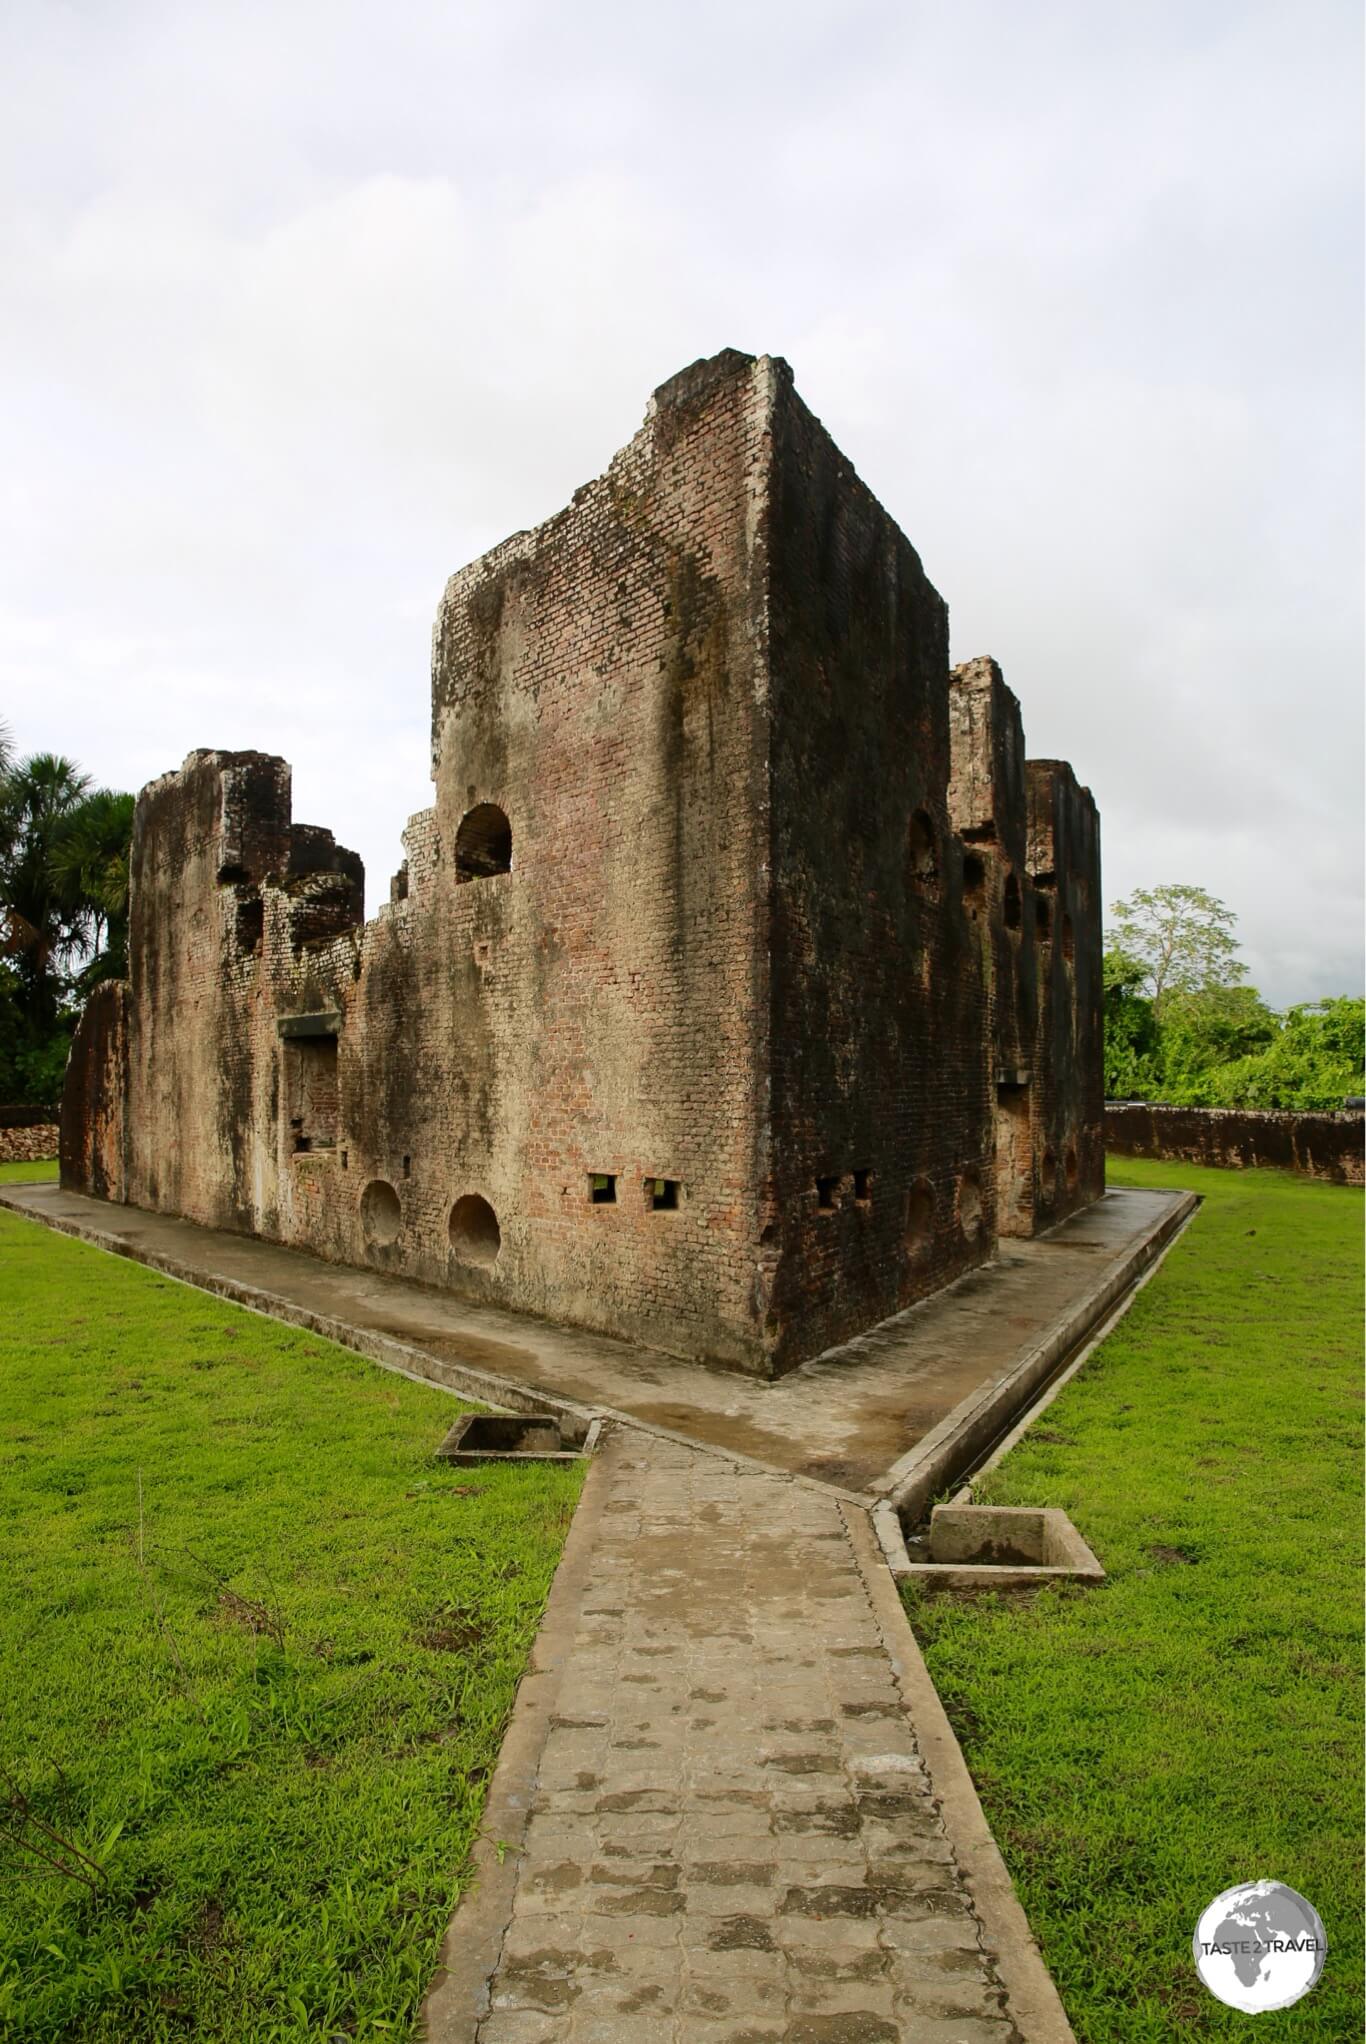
{"points": [[970, 1205], [920, 1217], [473, 1229], [483, 843], [381, 1215]]}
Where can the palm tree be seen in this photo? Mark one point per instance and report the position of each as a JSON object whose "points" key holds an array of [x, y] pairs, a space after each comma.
{"points": [[90, 868], [42, 926]]}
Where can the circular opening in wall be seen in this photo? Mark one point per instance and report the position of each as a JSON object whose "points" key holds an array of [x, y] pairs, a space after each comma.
{"points": [[380, 1214], [970, 1205], [924, 859], [483, 843], [920, 1217], [473, 1229], [1070, 1167], [1048, 1175]]}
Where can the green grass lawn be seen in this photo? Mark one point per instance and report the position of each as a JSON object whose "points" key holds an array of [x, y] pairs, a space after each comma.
{"points": [[257, 1652], [1194, 1722]]}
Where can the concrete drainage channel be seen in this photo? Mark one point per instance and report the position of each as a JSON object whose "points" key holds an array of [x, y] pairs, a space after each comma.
{"points": [[987, 1547], [965, 1546], [514, 1437]]}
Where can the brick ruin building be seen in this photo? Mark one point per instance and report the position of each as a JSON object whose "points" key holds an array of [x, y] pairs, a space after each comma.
{"points": [[742, 985]]}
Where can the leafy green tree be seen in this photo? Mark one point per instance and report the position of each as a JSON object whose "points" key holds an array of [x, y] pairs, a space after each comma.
{"points": [[1133, 1039], [1204, 1032], [1182, 937], [1315, 1061]]}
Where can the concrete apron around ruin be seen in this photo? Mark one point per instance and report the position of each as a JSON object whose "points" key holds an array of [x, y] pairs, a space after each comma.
{"points": [[893, 1416]]}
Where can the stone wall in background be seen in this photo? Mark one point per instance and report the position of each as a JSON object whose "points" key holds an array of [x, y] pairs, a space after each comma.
{"points": [[28, 1135], [1327, 1146]]}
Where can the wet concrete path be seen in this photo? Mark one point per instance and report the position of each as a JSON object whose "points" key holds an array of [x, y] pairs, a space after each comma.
{"points": [[723, 1829], [844, 1418]]}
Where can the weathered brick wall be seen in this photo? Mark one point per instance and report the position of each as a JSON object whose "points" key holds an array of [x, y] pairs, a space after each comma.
{"points": [[601, 681], [676, 1022], [1064, 865], [988, 808], [1327, 1146], [877, 990], [95, 1097]]}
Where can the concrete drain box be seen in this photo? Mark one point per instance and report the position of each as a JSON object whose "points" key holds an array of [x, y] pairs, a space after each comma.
{"points": [[998, 1547], [506, 1437]]}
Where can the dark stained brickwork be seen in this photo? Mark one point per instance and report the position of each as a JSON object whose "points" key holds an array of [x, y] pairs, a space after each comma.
{"points": [[687, 1015]]}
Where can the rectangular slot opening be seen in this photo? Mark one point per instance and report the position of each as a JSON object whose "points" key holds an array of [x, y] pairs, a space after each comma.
{"points": [[602, 1188], [661, 1194], [407, 1167], [825, 1194], [863, 1187], [311, 1092]]}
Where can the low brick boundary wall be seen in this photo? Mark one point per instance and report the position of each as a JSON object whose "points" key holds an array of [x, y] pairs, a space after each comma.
{"points": [[1326, 1146], [28, 1135]]}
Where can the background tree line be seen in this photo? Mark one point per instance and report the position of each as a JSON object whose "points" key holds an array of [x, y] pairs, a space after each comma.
{"points": [[63, 910], [1182, 1025]]}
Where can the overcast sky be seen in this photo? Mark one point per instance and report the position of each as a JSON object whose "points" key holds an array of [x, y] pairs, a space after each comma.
{"points": [[302, 306]]}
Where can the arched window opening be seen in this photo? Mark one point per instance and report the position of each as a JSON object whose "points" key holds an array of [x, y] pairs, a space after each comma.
{"points": [[483, 843], [924, 853], [974, 880], [473, 1230], [381, 1214], [970, 1205], [920, 1217]]}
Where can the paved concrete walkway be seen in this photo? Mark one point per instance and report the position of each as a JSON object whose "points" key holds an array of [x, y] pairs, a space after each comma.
{"points": [[720, 1828]]}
